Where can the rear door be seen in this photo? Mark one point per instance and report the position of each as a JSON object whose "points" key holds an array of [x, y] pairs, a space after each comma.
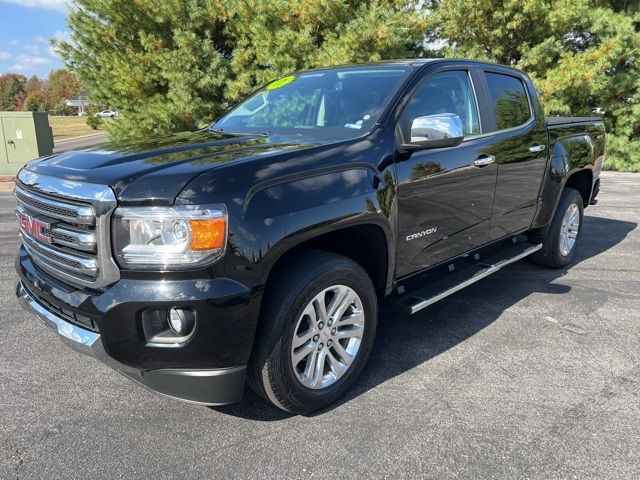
{"points": [[444, 199], [519, 145]]}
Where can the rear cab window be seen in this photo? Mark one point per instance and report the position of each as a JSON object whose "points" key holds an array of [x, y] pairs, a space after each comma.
{"points": [[508, 100]]}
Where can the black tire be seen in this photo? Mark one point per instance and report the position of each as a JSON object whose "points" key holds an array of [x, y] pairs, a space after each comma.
{"points": [[551, 255], [294, 286]]}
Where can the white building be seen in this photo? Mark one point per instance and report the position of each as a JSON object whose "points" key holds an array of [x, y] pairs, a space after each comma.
{"points": [[81, 104]]}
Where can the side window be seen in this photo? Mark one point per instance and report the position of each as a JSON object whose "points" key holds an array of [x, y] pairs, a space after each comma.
{"points": [[509, 100], [446, 92]]}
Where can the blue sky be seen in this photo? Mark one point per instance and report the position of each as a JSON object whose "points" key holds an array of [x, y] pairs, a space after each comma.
{"points": [[25, 29]]}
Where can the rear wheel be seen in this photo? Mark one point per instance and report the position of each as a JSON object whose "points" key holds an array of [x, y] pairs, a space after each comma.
{"points": [[316, 331], [558, 247]]}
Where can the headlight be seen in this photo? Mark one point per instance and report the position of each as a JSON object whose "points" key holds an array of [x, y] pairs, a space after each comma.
{"points": [[169, 238]]}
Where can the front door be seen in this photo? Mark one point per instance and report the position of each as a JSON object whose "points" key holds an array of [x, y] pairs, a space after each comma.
{"points": [[445, 195]]}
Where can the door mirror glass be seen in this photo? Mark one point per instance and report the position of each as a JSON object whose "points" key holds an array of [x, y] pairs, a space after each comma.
{"points": [[434, 131]]}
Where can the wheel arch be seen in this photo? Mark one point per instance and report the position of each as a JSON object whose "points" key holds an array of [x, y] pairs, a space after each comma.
{"points": [[342, 241], [365, 243], [582, 181]]}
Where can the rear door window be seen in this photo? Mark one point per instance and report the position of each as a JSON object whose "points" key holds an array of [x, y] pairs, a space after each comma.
{"points": [[509, 100]]}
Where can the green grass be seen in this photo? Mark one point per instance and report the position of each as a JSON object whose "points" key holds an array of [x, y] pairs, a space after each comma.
{"points": [[68, 127]]}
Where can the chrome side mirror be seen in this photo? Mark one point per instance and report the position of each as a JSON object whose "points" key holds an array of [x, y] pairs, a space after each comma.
{"points": [[435, 131]]}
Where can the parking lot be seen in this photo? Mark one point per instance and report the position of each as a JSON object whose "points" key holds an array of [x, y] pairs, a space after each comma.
{"points": [[531, 373]]}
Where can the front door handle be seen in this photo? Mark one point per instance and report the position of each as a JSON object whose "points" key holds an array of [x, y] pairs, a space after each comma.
{"points": [[484, 160], [536, 148]]}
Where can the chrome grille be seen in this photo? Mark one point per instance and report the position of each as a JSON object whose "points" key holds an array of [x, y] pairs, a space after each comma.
{"points": [[57, 236], [65, 228], [82, 215]]}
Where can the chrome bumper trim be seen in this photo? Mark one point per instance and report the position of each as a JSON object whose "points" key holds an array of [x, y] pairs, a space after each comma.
{"points": [[202, 387], [75, 337]]}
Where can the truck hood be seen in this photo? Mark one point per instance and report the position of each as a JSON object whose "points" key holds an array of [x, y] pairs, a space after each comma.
{"points": [[156, 169]]}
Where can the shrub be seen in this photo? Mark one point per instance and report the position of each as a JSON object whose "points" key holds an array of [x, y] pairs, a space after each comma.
{"points": [[94, 121], [35, 102]]}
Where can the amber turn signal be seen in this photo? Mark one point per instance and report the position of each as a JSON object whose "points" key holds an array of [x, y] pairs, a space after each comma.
{"points": [[208, 234]]}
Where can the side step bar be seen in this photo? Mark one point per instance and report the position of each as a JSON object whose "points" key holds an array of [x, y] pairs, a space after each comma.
{"points": [[457, 280]]}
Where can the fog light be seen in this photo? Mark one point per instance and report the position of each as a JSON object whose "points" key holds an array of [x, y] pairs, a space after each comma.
{"points": [[181, 320]]}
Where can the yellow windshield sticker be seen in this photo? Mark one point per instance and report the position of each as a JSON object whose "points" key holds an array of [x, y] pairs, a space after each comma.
{"points": [[281, 82]]}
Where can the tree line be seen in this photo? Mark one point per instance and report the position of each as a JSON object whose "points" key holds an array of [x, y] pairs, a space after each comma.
{"points": [[175, 65], [35, 94]]}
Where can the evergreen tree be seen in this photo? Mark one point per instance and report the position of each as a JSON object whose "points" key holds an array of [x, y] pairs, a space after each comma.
{"points": [[582, 55], [274, 37], [171, 65]]}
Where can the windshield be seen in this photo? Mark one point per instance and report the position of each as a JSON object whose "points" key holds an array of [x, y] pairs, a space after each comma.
{"points": [[343, 102]]}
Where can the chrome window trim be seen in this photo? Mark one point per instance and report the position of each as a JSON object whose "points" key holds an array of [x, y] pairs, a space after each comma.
{"points": [[529, 123], [475, 97], [101, 199]]}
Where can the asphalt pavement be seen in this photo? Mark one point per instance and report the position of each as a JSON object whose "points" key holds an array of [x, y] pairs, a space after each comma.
{"points": [[86, 141], [530, 373]]}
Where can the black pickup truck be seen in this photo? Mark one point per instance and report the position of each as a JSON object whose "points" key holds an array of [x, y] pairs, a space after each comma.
{"points": [[256, 251]]}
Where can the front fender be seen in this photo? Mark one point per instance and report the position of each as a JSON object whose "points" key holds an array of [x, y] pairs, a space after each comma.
{"points": [[280, 214]]}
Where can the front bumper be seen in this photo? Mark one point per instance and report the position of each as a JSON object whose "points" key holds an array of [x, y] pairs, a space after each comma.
{"points": [[209, 369], [207, 387]]}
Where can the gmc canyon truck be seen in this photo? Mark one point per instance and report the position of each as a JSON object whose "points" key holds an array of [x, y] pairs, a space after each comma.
{"points": [[256, 250]]}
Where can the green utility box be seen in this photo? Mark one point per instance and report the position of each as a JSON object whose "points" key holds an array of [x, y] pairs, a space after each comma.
{"points": [[24, 136]]}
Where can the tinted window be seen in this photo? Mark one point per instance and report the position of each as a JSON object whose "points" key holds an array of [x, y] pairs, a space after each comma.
{"points": [[447, 92], [509, 99]]}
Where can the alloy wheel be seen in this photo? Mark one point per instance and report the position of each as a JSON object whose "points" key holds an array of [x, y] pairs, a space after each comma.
{"points": [[327, 337], [569, 229]]}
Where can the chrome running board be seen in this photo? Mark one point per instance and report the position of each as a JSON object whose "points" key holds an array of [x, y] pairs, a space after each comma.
{"points": [[413, 302]]}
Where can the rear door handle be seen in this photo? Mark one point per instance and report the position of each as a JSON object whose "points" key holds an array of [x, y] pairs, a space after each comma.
{"points": [[536, 148], [484, 160]]}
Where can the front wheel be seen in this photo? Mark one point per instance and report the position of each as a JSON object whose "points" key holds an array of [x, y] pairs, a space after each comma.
{"points": [[559, 245], [316, 331]]}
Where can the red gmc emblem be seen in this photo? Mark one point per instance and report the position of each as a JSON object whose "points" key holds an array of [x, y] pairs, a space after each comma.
{"points": [[34, 227]]}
